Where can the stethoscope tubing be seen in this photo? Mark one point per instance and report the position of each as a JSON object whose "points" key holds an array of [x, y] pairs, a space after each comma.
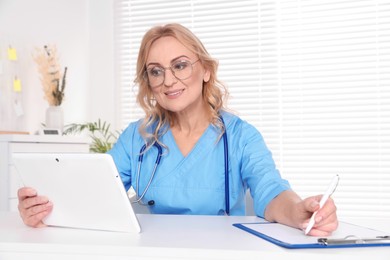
{"points": [[226, 161], [140, 159], [157, 162]]}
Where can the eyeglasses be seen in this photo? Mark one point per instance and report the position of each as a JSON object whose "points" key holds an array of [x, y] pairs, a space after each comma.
{"points": [[181, 69]]}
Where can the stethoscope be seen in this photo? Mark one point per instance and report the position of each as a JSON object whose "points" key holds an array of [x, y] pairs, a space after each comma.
{"points": [[157, 162]]}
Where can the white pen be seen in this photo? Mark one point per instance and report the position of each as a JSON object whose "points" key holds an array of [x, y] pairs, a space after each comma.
{"points": [[325, 197]]}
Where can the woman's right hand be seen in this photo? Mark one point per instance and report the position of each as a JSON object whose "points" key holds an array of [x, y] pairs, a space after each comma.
{"points": [[32, 207]]}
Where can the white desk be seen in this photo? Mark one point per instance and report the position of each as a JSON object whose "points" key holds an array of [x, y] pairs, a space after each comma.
{"points": [[163, 237]]}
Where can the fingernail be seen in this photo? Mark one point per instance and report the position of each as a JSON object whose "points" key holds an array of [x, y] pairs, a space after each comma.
{"points": [[318, 219], [314, 204]]}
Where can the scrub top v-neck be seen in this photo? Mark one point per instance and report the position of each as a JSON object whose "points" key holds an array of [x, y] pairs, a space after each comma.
{"points": [[195, 184]]}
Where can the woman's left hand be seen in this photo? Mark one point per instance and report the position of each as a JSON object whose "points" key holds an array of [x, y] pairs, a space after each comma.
{"points": [[289, 209], [325, 220]]}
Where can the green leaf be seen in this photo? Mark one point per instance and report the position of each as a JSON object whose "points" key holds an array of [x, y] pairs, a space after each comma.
{"points": [[102, 138]]}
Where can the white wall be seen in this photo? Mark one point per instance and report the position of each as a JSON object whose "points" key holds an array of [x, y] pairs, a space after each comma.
{"points": [[82, 32], [101, 94]]}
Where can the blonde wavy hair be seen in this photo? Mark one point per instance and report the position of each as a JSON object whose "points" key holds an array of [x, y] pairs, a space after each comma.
{"points": [[157, 119]]}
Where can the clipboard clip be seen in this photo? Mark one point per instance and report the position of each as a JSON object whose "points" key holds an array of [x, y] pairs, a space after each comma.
{"points": [[354, 240]]}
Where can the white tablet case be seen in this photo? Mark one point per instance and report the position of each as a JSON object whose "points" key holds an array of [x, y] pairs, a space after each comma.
{"points": [[86, 190]]}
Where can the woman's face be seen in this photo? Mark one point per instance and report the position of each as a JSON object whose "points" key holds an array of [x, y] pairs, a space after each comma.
{"points": [[180, 93]]}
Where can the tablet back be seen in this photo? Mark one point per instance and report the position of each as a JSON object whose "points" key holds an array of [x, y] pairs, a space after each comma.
{"points": [[86, 190]]}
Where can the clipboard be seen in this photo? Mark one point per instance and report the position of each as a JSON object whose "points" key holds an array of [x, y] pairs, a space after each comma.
{"points": [[347, 235]]}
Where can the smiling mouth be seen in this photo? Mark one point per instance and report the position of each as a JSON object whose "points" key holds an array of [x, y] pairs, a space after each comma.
{"points": [[174, 93]]}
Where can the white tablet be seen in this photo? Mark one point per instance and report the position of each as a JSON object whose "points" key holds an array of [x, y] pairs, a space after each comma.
{"points": [[86, 190]]}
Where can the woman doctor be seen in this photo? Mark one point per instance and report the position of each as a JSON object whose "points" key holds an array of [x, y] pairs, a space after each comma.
{"points": [[189, 155]]}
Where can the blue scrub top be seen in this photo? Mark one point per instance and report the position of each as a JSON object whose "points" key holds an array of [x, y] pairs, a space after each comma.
{"points": [[195, 184]]}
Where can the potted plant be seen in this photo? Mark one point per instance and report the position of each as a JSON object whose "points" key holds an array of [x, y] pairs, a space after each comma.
{"points": [[53, 83], [102, 138]]}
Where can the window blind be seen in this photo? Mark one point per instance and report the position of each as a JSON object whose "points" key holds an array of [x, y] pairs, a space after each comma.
{"points": [[312, 76]]}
